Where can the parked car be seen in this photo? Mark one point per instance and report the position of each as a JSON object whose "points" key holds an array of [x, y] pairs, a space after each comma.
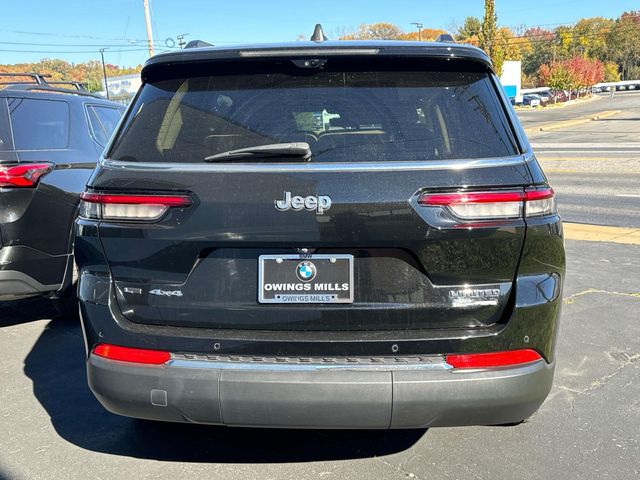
{"points": [[244, 264], [51, 135], [532, 100], [545, 97]]}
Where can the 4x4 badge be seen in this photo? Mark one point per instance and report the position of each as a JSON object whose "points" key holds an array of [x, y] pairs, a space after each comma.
{"points": [[319, 203]]}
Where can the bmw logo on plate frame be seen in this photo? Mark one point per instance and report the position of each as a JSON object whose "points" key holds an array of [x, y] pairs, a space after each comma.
{"points": [[306, 271]]}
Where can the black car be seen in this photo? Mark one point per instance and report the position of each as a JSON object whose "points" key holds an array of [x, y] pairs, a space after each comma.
{"points": [[51, 135], [321, 235]]}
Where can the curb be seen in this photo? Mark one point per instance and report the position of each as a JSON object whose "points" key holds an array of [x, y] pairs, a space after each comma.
{"points": [[570, 123], [601, 233]]}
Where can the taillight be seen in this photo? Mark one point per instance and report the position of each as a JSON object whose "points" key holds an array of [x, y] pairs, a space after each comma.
{"points": [[102, 206], [23, 175], [493, 359], [492, 205], [133, 355]]}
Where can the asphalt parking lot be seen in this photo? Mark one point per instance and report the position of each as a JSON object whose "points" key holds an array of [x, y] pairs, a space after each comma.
{"points": [[589, 427]]}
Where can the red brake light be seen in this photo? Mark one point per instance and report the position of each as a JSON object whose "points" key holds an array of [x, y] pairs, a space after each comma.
{"points": [[23, 175], [493, 205], [116, 199], [106, 206], [541, 194], [493, 359], [133, 355], [459, 198]]}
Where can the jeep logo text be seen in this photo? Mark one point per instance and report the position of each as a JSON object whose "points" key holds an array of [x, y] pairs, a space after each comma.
{"points": [[318, 203]]}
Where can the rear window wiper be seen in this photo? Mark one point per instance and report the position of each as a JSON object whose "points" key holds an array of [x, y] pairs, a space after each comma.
{"points": [[277, 151]]}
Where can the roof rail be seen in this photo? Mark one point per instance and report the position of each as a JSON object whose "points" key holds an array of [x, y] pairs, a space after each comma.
{"points": [[36, 78], [198, 44], [39, 82], [77, 85], [445, 38]]}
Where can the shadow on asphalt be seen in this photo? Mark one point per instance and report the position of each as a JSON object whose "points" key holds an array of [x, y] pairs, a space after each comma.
{"points": [[56, 367], [17, 312]]}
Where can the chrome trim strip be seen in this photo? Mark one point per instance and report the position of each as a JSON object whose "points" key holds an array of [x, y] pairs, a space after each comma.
{"points": [[303, 367], [316, 167]]}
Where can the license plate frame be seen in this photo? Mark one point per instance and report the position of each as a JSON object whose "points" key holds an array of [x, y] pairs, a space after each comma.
{"points": [[322, 264]]}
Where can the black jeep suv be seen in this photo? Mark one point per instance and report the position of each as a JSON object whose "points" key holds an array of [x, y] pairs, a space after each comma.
{"points": [[322, 235], [50, 140]]}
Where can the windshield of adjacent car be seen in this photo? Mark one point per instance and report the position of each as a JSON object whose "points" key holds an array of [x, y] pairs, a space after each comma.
{"points": [[345, 112]]}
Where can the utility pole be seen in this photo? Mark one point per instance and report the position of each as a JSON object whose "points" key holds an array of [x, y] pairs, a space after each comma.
{"points": [[104, 73], [147, 18], [181, 42], [419, 27]]}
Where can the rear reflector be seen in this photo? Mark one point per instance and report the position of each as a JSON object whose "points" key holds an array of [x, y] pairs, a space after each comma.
{"points": [[491, 205], [493, 359], [23, 175], [133, 355], [129, 207]]}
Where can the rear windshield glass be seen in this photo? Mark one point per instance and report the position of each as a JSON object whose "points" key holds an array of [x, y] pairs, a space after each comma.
{"points": [[344, 113], [39, 124]]}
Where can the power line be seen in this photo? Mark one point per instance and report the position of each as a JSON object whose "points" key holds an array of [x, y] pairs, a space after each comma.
{"points": [[74, 51], [95, 45]]}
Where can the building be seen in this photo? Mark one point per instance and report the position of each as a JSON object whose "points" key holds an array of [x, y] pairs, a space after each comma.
{"points": [[123, 88]]}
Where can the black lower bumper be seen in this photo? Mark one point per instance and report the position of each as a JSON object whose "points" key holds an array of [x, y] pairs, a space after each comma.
{"points": [[313, 396], [26, 272]]}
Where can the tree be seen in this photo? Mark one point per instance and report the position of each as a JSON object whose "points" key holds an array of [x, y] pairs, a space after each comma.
{"points": [[556, 76], [585, 72], [469, 29], [589, 37], [488, 29], [540, 50], [611, 73], [426, 34], [573, 74], [375, 31], [624, 43], [505, 47], [89, 73]]}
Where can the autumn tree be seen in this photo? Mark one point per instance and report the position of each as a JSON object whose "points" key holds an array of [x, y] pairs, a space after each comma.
{"points": [[89, 73], [375, 31], [470, 29], [540, 50], [611, 72], [574, 74], [426, 35], [623, 44], [585, 72], [556, 76], [505, 48], [488, 29]]}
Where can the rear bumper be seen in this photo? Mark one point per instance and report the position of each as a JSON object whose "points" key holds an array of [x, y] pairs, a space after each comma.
{"points": [[242, 393], [26, 272], [15, 285]]}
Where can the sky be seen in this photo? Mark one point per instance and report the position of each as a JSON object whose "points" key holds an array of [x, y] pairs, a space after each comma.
{"points": [[75, 30]]}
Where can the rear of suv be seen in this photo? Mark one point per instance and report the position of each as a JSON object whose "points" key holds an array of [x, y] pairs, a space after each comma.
{"points": [[51, 136], [320, 235]]}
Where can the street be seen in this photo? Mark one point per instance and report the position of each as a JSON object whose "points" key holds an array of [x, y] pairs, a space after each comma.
{"points": [[588, 427], [595, 166]]}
